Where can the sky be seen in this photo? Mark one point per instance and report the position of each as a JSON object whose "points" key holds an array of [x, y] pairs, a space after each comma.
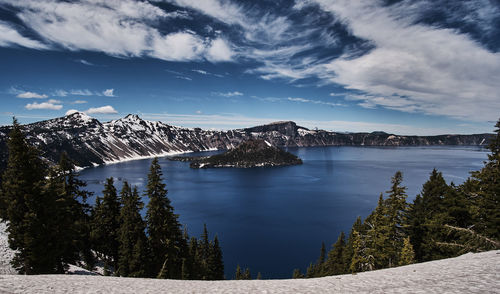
{"points": [[420, 67]]}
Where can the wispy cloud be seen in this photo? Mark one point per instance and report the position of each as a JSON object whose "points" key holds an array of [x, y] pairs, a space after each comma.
{"points": [[84, 92], [108, 93], [228, 94], [31, 95], [80, 92], [206, 73], [414, 67], [303, 100], [9, 36], [79, 102], [50, 104], [184, 78], [84, 62]]}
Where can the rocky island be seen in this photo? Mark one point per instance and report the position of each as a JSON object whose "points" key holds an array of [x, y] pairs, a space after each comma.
{"points": [[250, 153]]}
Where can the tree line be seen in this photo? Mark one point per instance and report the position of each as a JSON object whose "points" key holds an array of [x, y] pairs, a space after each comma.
{"points": [[50, 225], [443, 221]]}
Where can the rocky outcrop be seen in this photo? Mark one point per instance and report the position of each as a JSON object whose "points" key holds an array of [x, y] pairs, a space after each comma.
{"points": [[89, 142]]}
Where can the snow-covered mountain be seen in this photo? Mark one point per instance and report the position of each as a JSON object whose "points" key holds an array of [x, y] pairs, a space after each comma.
{"points": [[89, 142]]}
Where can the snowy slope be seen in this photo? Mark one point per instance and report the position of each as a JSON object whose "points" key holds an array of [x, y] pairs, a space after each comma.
{"points": [[469, 273]]}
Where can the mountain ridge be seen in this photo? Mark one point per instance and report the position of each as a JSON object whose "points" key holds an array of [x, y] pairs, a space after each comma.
{"points": [[90, 143]]}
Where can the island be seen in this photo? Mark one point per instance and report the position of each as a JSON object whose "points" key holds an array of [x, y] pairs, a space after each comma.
{"points": [[250, 153]]}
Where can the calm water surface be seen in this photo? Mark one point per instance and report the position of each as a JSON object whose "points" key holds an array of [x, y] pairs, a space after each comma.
{"points": [[273, 220]]}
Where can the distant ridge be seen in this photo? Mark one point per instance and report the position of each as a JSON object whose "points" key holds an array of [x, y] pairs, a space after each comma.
{"points": [[90, 143]]}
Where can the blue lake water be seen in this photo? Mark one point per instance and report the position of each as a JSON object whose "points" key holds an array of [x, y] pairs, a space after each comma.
{"points": [[273, 220]]}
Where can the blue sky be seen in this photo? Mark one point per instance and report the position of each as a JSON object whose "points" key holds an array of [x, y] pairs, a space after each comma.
{"points": [[406, 67]]}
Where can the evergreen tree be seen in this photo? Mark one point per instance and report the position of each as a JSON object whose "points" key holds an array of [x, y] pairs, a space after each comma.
{"points": [[407, 255], [164, 231], [377, 235], [238, 275], [396, 212], [106, 226], [349, 248], [487, 192], [27, 207], [359, 261], [215, 261], [297, 274], [133, 255], [259, 276], [247, 275], [310, 273], [425, 218], [70, 223], [334, 264]]}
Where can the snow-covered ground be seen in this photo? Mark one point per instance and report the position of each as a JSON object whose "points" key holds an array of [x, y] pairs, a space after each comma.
{"points": [[469, 273]]}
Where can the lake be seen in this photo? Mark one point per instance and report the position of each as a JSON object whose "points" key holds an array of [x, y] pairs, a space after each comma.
{"points": [[273, 220]]}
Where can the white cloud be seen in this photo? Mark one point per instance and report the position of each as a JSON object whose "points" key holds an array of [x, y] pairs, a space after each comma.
{"points": [[50, 104], [303, 100], [10, 36], [31, 95], [228, 94], [79, 102], [85, 62], [184, 78], [182, 46], [125, 28], [206, 73], [219, 51], [108, 109], [200, 71], [414, 67], [79, 92], [60, 93], [108, 92]]}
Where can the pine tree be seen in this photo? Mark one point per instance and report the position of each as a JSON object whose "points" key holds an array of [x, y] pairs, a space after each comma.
{"points": [[426, 216], [70, 223], [259, 276], [334, 264], [133, 255], [164, 231], [27, 207], [215, 261], [297, 274], [238, 275], [377, 235], [359, 261], [487, 192], [396, 211], [310, 271], [106, 226], [247, 275], [407, 255], [349, 248]]}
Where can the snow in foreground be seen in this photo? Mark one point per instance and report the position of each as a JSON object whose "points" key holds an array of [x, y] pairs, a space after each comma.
{"points": [[469, 273]]}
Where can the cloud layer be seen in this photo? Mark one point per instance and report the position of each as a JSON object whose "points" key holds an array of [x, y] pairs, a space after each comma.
{"points": [[430, 57]]}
